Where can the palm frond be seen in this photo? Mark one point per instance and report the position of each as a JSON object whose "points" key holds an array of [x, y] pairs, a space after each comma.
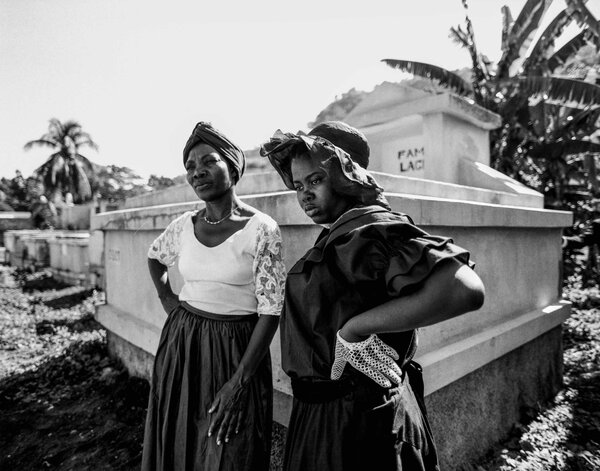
{"points": [[458, 36], [40, 142], [507, 22], [432, 72], [558, 150], [49, 171], [71, 128], [55, 127], [562, 91], [84, 139], [81, 183], [546, 41], [87, 163], [521, 34], [571, 48], [582, 122], [583, 16]]}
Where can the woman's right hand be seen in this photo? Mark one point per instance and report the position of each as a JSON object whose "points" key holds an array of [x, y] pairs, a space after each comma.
{"points": [[169, 301]]}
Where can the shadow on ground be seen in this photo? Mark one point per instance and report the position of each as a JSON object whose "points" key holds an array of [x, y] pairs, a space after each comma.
{"points": [[37, 281], [84, 324], [77, 411], [67, 301]]}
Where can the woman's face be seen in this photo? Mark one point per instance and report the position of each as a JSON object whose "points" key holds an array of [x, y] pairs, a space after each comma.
{"points": [[208, 173], [314, 190]]}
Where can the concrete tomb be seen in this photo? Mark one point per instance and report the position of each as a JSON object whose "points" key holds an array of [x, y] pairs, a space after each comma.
{"points": [[430, 153]]}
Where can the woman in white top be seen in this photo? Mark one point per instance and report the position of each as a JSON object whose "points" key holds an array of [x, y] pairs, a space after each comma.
{"points": [[211, 396]]}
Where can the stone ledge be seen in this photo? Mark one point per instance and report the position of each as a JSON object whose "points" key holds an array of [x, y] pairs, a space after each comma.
{"points": [[488, 186], [369, 118], [447, 364], [69, 276], [502, 194], [14, 215], [134, 330], [283, 207]]}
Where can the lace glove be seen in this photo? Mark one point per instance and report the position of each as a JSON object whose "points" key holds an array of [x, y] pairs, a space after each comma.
{"points": [[371, 357]]}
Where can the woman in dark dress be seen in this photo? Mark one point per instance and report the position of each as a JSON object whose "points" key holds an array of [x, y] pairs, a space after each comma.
{"points": [[210, 405], [351, 310]]}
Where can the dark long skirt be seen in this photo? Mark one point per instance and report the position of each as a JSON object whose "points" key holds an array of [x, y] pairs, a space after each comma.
{"points": [[367, 428], [197, 354]]}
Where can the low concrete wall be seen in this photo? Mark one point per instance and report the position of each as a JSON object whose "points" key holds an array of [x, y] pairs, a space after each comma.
{"points": [[76, 217], [493, 187], [14, 220], [62, 250], [96, 255], [28, 247], [474, 413], [36, 250], [69, 258]]}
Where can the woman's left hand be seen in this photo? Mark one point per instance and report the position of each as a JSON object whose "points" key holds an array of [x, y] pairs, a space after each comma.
{"points": [[372, 357], [228, 410]]}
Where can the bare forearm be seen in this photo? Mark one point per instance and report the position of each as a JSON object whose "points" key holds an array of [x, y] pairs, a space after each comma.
{"points": [[452, 289], [160, 277], [257, 348]]}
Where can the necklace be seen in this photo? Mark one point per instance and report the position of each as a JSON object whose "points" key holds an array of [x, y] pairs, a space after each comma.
{"points": [[214, 223]]}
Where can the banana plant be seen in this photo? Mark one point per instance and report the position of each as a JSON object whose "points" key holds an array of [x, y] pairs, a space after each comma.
{"points": [[546, 116]]}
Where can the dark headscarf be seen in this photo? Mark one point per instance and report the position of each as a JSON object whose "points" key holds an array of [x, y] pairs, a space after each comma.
{"points": [[204, 133], [347, 178], [345, 137]]}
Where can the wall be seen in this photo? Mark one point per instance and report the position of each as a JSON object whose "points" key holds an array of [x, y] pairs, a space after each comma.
{"points": [[76, 217], [69, 258]]}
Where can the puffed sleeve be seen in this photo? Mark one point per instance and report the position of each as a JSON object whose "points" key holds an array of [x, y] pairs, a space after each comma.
{"points": [[400, 256], [166, 247], [269, 269], [412, 261]]}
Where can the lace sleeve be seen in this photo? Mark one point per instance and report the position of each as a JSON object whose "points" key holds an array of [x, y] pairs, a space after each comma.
{"points": [[166, 246], [269, 270]]}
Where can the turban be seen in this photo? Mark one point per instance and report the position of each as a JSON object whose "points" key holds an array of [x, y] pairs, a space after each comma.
{"points": [[204, 133], [347, 177]]}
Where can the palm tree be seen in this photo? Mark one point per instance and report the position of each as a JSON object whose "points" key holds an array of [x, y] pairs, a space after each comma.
{"points": [[66, 170], [540, 105]]}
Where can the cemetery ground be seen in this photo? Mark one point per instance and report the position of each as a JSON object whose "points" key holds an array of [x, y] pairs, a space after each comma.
{"points": [[65, 404]]}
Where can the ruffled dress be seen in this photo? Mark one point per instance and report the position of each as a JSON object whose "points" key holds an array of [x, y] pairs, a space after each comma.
{"points": [[202, 342], [368, 257]]}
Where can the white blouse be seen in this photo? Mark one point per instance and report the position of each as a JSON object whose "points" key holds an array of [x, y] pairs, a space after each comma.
{"points": [[243, 275]]}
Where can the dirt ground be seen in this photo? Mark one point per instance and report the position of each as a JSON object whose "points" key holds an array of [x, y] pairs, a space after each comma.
{"points": [[64, 404]]}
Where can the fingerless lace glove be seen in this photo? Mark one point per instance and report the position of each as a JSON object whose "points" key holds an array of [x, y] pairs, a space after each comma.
{"points": [[371, 357]]}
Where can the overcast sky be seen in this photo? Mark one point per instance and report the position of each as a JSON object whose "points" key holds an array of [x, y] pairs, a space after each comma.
{"points": [[139, 74]]}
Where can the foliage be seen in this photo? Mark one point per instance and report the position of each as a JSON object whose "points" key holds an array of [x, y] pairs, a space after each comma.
{"points": [[21, 194], [114, 183], [66, 170], [548, 118], [15, 192], [564, 434], [340, 107], [159, 183]]}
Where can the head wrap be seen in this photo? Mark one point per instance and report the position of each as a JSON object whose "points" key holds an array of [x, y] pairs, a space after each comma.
{"points": [[204, 133], [347, 178], [347, 138]]}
